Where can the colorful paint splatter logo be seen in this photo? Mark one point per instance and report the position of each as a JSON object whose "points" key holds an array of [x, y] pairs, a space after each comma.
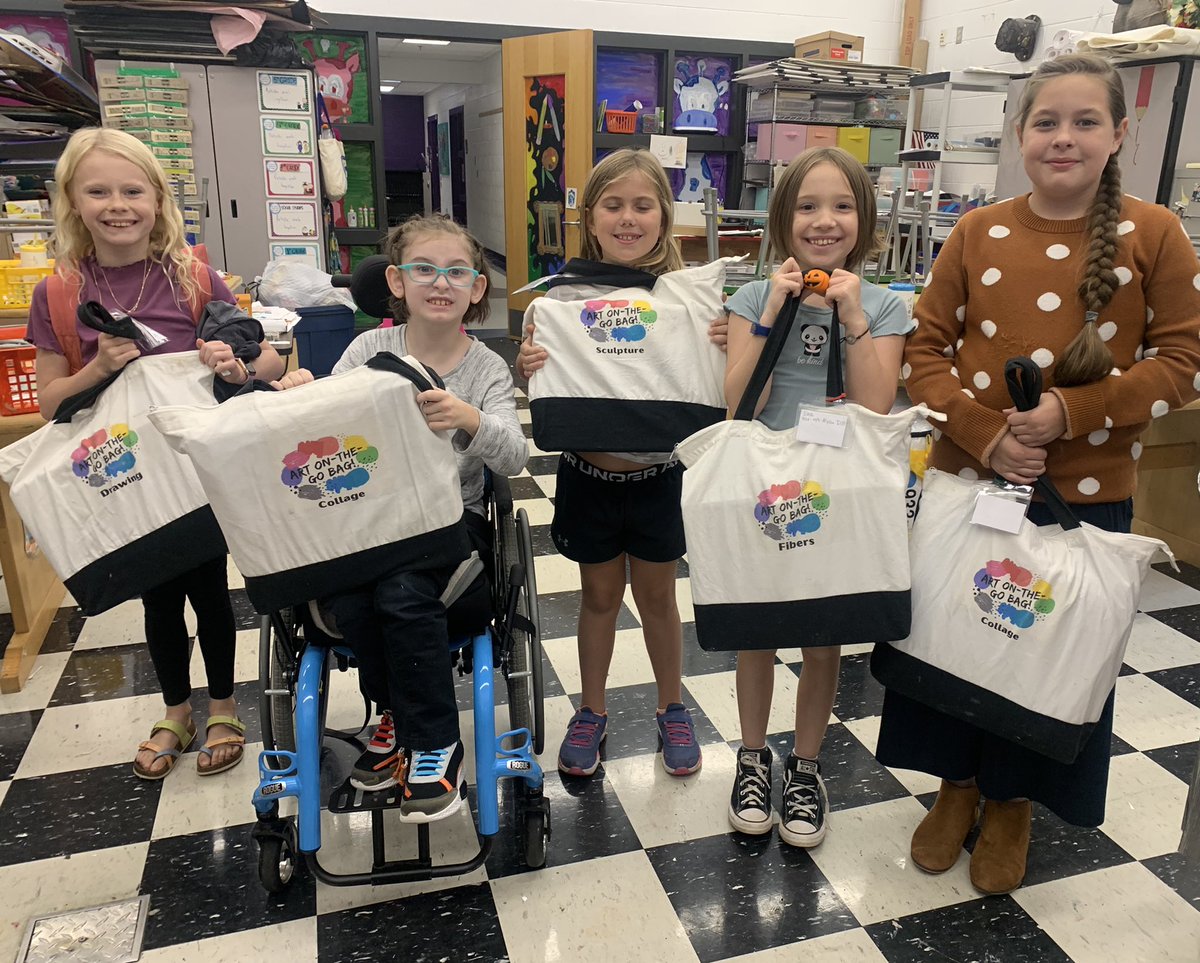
{"points": [[105, 459], [330, 471], [1011, 598], [618, 321], [789, 512]]}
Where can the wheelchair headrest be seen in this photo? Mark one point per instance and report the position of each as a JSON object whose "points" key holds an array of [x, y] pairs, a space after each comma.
{"points": [[369, 288]]}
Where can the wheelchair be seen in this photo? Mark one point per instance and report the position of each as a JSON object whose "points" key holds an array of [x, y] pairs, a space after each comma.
{"points": [[297, 653]]}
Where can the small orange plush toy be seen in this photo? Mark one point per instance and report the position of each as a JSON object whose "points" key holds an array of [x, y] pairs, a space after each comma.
{"points": [[817, 281]]}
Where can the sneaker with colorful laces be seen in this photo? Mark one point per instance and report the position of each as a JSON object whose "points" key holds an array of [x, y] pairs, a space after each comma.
{"points": [[378, 767], [579, 754], [802, 811], [677, 740], [432, 788]]}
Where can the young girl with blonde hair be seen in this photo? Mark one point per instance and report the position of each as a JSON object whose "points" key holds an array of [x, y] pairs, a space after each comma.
{"points": [[119, 240]]}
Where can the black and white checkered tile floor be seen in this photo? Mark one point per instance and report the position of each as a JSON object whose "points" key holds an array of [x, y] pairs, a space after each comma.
{"points": [[642, 866]]}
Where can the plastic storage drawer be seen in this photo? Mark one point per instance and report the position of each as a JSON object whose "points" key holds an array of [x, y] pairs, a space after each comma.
{"points": [[855, 141], [788, 141]]}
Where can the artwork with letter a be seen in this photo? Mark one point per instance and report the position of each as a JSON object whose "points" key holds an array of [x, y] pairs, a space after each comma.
{"points": [[546, 194]]}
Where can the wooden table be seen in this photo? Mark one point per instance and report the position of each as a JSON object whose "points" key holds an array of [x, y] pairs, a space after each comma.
{"points": [[34, 591], [1167, 503]]}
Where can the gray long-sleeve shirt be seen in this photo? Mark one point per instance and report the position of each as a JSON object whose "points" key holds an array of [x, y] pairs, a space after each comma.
{"points": [[481, 379]]}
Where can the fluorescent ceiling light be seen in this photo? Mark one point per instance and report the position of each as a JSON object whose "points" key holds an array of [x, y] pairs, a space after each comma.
{"points": [[386, 88], [422, 40]]}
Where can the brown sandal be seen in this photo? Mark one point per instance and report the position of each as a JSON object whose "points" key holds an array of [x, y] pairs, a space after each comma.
{"points": [[207, 749], [185, 735]]}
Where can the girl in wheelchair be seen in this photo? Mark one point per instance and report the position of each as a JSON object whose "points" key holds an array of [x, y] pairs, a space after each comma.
{"points": [[397, 626]]}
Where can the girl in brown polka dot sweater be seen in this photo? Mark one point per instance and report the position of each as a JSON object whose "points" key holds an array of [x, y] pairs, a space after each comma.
{"points": [[1103, 292], [1006, 285]]}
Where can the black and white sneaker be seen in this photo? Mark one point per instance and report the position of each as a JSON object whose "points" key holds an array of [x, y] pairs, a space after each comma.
{"points": [[805, 803], [378, 767], [434, 788], [750, 802]]}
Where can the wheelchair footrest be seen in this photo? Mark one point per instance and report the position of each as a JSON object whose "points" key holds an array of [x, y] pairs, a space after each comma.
{"points": [[347, 799]]}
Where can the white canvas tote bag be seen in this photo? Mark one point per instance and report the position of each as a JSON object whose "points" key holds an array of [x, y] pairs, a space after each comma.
{"points": [[1022, 635], [795, 543], [327, 486], [632, 370], [115, 510]]}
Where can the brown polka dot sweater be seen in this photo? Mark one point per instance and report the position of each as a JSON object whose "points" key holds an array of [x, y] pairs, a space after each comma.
{"points": [[1004, 285]]}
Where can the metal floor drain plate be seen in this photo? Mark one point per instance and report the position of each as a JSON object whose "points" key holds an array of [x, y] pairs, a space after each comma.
{"points": [[111, 933]]}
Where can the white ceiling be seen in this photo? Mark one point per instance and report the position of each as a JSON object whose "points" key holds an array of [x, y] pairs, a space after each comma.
{"points": [[417, 69]]}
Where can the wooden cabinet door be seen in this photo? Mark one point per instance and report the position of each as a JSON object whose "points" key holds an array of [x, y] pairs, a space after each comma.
{"points": [[549, 116]]}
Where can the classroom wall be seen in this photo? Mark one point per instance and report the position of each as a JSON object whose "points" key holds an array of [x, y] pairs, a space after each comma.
{"points": [[971, 113]]}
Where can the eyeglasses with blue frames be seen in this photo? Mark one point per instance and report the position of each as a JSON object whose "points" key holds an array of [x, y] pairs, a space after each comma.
{"points": [[421, 273]]}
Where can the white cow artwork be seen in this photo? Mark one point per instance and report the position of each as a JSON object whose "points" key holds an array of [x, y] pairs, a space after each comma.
{"points": [[698, 97]]}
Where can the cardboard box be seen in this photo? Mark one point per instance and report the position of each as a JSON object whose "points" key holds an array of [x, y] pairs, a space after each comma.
{"points": [[830, 46]]}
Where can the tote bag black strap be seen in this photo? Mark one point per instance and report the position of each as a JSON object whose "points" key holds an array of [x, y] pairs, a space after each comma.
{"points": [[1024, 380], [424, 380], [835, 384], [85, 399], [766, 361], [94, 315]]}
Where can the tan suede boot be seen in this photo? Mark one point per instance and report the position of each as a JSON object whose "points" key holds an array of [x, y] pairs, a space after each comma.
{"points": [[939, 839], [998, 862]]}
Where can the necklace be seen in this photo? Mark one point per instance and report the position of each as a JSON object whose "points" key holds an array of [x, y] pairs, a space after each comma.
{"points": [[111, 294]]}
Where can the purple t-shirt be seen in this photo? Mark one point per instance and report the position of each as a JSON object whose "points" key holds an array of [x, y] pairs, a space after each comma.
{"points": [[161, 306]]}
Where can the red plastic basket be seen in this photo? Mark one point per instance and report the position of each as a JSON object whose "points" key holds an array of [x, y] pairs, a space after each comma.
{"points": [[18, 380], [621, 121]]}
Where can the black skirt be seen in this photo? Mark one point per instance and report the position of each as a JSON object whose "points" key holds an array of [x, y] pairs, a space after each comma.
{"points": [[914, 736]]}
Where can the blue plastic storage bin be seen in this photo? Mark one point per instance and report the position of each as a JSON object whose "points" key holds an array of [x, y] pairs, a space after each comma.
{"points": [[322, 334]]}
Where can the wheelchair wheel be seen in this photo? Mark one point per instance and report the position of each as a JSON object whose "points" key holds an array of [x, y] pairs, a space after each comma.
{"points": [[524, 679], [276, 672], [535, 839], [276, 862]]}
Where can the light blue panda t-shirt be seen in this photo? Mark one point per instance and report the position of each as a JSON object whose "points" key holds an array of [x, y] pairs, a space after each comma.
{"points": [[799, 375]]}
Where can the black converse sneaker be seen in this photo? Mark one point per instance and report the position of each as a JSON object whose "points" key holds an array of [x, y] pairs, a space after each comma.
{"points": [[802, 812], [750, 802]]}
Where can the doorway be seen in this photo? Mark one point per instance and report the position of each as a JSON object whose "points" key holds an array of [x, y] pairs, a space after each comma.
{"points": [[434, 163], [458, 166]]}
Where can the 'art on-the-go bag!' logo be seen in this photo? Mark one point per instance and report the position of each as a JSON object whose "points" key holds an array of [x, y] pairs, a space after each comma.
{"points": [[332, 470], [792, 512], [618, 325], [105, 459], [1011, 598]]}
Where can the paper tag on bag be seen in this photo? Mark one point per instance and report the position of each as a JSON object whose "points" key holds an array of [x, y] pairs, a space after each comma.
{"points": [[822, 426], [1001, 510]]}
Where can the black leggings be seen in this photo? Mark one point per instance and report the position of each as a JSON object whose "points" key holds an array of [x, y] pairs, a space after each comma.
{"points": [[207, 588]]}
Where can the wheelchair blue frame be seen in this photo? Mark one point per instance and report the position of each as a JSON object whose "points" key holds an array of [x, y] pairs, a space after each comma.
{"points": [[298, 774]]}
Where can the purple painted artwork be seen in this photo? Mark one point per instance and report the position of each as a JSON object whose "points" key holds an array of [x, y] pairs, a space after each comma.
{"points": [[703, 170], [624, 77], [702, 93]]}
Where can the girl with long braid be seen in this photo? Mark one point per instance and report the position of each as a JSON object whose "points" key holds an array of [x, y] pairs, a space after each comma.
{"points": [[1102, 290]]}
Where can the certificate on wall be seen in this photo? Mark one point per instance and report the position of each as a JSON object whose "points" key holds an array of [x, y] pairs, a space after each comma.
{"points": [[308, 253], [292, 219], [285, 91], [290, 178], [287, 136]]}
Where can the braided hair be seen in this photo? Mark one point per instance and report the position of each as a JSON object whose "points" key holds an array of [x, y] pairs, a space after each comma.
{"points": [[1087, 358]]}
